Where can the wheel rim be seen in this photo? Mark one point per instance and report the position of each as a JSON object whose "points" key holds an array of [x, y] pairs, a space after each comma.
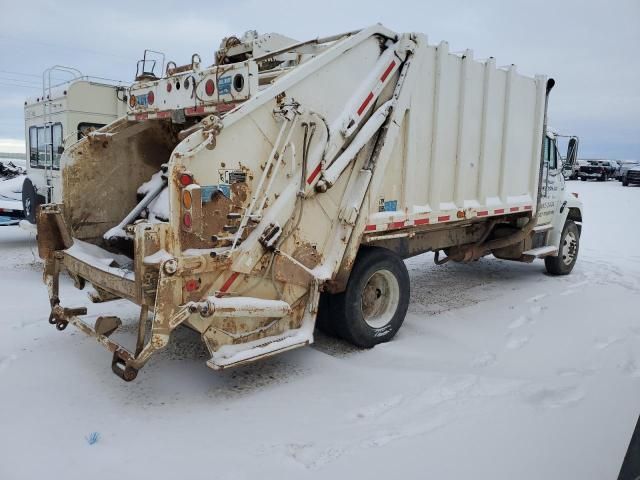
{"points": [[569, 248], [380, 298], [27, 207]]}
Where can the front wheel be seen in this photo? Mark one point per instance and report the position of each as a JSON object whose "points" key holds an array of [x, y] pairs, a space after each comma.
{"points": [[372, 308], [568, 253]]}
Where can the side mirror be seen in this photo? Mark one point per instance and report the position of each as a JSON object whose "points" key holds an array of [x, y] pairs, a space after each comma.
{"points": [[572, 151]]}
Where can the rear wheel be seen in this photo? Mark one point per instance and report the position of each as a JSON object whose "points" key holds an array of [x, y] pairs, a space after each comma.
{"points": [[625, 182], [568, 253], [372, 308]]}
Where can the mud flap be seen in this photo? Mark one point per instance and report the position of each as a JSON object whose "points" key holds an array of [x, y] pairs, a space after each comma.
{"points": [[53, 232]]}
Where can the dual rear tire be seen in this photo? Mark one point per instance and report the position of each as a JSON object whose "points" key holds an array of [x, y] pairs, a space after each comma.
{"points": [[372, 308]]}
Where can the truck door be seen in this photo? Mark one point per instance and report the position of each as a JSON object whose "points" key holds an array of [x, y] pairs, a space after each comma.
{"points": [[552, 182]]}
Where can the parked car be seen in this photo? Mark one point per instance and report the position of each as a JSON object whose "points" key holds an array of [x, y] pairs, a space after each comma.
{"points": [[625, 165], [631, 175], [601, 170]]}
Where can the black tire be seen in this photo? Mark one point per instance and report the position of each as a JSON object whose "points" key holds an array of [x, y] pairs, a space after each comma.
{"points": [[324, 319], [584, 179], [569, 247], [625, 182], [372, 308], [30, 201]]}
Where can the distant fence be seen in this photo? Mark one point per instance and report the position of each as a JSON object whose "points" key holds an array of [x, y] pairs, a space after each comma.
{"points": [[21, 156]]}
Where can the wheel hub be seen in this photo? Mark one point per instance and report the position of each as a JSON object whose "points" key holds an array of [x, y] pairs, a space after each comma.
{"points": [[569, 248], [380, 298]]}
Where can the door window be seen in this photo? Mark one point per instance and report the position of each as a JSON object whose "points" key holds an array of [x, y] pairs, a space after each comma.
{"points": [[550, 154]]}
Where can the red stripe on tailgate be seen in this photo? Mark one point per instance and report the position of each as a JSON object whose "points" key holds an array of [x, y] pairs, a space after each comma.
{"points": [[314, 174], [370, 228], [365, 103], [444, 218], [387, 71], [514, 209], [483, 213], [229, 282], [498, 210], [421, 221]]}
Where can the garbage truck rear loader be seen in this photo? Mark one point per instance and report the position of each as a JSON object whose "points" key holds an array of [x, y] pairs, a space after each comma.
{"points": [[285, 184]]}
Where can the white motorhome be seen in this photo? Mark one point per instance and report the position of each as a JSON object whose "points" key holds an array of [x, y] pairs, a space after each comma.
{"points": [[56, 118]]}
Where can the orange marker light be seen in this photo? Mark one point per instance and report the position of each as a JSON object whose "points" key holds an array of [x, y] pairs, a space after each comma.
{"points": [[186, 199]]}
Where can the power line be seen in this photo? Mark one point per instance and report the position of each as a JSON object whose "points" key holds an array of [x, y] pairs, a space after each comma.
{"points": [[18, 85], [66, 47], [28, 82], [21, 74]]}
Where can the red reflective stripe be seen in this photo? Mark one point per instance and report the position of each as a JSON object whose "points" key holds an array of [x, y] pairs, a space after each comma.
{"points": [[514, 209], [444, 218], [225, 107], [483, 213], [194, 110], [314, 174], [165, 114], [421, 221], [498, 210], [527, 207], [229, 282], [396, 224], [369, 228], [387, 71], [365, 103], [142, 116]]}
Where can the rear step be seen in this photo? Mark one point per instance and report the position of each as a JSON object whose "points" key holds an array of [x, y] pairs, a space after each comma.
{"points": [[543, 228], [261, 349], [541, 252]]}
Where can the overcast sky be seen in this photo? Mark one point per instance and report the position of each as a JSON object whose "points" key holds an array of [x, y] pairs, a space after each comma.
{"points": [[590, 47]]}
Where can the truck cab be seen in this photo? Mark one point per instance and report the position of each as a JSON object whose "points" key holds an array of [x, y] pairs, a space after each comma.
{"points": [[55, 119]]}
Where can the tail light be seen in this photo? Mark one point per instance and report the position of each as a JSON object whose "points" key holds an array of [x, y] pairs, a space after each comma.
{"points": [[191, 203], [209, 87], [186, 179], [150, 98], [169, 87], [187, 221]]}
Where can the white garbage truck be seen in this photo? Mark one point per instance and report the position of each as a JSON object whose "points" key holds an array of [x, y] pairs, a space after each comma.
{"points": [[283, 186]]}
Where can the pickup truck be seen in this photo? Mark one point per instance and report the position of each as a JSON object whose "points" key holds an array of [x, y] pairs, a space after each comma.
{"points": [[601, 170], [630, 175]]}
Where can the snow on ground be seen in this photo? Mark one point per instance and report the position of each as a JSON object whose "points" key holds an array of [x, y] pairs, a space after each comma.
{"points": [[499, 372]]}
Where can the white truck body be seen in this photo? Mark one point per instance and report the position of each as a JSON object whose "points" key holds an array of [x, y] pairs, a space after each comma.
{"points": [[303, 172]]}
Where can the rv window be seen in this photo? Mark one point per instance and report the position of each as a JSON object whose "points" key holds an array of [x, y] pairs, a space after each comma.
{"points": [[86, 127], [33, 146]]}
